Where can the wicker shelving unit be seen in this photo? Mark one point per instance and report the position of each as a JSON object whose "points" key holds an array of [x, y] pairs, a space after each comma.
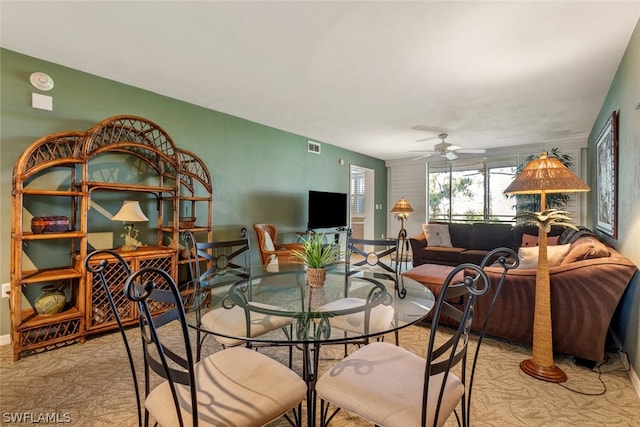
{"points": [[60, 174]]}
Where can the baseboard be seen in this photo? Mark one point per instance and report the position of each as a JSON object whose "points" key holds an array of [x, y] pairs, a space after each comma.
{"points": [[635, 381], [5, 339]]}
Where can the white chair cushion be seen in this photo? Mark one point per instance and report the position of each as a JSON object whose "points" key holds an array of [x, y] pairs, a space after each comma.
{"points": [[268, 242], [272, 265], [236, 386], [379, 321], [383, 383], [232, 322]]}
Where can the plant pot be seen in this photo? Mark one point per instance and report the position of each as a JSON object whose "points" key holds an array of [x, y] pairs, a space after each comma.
{"points": [[316, 276], [52, 300]]}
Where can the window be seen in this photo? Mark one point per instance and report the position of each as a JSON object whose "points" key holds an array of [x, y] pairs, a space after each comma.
{"points": [[501, 209], [357, 193], [459, 192]]}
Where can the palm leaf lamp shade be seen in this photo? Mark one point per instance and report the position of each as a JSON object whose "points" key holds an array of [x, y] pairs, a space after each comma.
{"points": [[541, 176]]}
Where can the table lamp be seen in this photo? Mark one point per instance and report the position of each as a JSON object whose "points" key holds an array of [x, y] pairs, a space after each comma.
{"points": [[402, 210], [541, 176], [129, 213]]}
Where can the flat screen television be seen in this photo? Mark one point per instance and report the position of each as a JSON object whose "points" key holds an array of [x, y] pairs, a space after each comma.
{"points": [[327, 210]]}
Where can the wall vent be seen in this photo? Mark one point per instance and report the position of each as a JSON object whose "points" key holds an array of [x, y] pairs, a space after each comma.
{"points": [[313, 147]]}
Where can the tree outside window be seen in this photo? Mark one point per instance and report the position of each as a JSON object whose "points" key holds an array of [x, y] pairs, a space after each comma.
{"points": [[471, 190]]}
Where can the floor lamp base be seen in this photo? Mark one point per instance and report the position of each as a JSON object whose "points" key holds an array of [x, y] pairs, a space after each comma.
{"points": [[545, 373]]}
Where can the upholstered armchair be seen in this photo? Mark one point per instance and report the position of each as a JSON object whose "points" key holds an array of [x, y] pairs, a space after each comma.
{"points": [[270, 251]]}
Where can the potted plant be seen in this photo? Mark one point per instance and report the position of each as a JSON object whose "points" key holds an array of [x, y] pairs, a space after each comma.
{"points": [[317, 256]]}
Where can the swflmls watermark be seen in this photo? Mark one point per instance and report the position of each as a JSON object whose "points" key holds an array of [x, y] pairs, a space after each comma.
{"points": [[36, 418]]}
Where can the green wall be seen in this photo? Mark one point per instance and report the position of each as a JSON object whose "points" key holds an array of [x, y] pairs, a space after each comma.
{"points": [[623, 97], [260, 174]]}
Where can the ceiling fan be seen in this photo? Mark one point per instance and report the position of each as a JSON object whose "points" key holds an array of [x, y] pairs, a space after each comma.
{"points": [[448, 150]]}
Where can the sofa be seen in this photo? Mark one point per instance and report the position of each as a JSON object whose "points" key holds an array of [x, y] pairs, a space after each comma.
{"points": [[454, 244], [587, 284]]}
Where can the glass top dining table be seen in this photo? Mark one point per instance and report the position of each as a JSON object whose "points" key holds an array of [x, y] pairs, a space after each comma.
{"points": [[349, 307]]}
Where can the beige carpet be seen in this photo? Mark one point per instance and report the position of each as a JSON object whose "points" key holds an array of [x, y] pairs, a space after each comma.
{"points": [[90, 384]]}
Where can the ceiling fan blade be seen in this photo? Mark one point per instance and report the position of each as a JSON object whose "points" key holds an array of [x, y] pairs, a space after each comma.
{"points": [[423, 156], [472, 150], [450, 155], [429, 138], [453, 147]]}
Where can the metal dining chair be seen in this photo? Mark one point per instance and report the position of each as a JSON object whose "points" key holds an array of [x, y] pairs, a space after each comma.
{"points": [[368, 257], [234, 386], [225, 263], [391, 386]]}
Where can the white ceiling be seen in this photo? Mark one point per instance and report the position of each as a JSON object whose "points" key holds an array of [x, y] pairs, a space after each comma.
{"points": [[373, 77]]}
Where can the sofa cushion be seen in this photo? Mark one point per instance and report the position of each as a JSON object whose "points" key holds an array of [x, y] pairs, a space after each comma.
{"points": [[490, 236], [460, 234], [585, 248], [474, 256], [437, 235], [529, 256], [449, 256]]}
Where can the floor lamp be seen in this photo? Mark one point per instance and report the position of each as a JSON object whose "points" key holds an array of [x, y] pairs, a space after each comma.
{"points": [[541, 176], [402, 209]]}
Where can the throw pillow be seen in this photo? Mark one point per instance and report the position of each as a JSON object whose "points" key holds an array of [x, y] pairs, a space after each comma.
{"points": [[531, 240], [586, 248], [437, 235], [529, 256]]}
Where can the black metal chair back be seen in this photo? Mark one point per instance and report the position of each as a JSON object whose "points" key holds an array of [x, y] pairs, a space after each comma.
{"points": [[147, 287], [383, 370], [445, 353], [159, 302], [162, 320], [379, 256], [225, 263], [223, 258], [382, 258]]}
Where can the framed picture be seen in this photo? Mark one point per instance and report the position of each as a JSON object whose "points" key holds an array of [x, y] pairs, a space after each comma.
{"points": [[607, 177]]}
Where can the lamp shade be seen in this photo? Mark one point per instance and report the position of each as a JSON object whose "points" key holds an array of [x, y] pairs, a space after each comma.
{"points": [[402, 208], [548, 175], [130, 212]]}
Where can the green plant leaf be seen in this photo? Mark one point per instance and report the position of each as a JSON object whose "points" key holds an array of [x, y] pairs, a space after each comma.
{"points": [[317, 254]]}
